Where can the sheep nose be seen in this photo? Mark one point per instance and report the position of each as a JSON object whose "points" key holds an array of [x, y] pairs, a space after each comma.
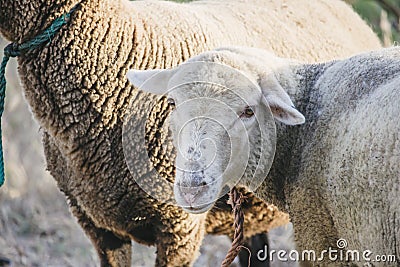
{"points": [[193, 172], [193, 180], [191, 193], [192, 183], [194, 154], [190, 196]]}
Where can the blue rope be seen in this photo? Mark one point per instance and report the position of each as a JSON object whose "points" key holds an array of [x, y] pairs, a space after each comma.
{"points": [[14, 50]]}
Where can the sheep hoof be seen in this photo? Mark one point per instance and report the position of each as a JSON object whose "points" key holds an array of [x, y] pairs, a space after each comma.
{"points": [[4, 262]]}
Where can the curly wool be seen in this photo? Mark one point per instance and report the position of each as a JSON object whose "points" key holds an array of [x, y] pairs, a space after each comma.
{"points": [[78, 93]]}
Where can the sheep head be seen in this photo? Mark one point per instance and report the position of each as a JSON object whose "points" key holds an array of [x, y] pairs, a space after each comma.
{"points": [[222, 124]]}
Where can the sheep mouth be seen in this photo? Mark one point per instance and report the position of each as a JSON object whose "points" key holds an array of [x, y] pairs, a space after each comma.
{"points": [[198, 209]]}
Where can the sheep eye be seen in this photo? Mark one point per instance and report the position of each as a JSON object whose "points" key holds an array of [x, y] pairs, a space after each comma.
{"points": [[247, 112], [171, 102]]}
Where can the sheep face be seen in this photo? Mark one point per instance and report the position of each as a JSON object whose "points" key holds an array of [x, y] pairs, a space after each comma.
{"points": [[222, 126], [211, 124]]}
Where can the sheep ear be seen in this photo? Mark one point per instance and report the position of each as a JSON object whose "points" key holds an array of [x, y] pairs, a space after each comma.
{"points": [[281, 106], [151, 81]]}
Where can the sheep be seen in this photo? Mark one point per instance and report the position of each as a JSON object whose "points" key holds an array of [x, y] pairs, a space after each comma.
{"points": [[337, 173], [77, 91]]}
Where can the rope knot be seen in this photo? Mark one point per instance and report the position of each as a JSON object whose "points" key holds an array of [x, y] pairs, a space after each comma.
{"points": [[12, 50]]}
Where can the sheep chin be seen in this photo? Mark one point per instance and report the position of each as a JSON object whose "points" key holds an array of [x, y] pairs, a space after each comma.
{"points": [[198, 209], [204, 202]]}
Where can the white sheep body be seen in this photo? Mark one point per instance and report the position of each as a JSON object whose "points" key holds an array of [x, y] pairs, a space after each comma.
{"points": [[350, 157]]}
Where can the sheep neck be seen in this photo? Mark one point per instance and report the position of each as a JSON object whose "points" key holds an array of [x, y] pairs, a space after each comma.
{"points": [[285, 169], [21, 20]]}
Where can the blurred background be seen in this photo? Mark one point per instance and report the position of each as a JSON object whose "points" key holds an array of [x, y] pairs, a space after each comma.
{"points": [[36, 228], [383, 16]]}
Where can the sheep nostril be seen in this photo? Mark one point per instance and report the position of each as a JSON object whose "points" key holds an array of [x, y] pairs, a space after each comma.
{"points": [[203, 183], [196, 155], [193, 154]]}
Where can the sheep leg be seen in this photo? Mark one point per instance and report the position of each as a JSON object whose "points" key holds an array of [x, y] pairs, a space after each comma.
{"points": [[112, 250], [181, 246], [255, 243], [177, 253], [180, 255]]}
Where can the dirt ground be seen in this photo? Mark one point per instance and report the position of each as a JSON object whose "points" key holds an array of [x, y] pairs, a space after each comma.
{"points": [[36, 228]]}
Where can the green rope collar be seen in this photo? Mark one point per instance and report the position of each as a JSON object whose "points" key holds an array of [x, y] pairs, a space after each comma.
{"points": [[14, 50]]}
